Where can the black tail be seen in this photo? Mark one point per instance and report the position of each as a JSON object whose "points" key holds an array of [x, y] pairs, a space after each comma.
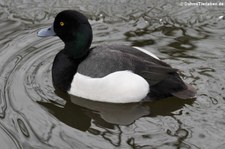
{"points": [[172, 86], [188, 93]]}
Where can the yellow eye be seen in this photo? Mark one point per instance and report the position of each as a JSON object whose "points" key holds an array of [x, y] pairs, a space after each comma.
{"points": [[61, 23]]}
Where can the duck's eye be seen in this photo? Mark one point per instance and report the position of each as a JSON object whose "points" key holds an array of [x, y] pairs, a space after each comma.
{"points": [[61, 23]]}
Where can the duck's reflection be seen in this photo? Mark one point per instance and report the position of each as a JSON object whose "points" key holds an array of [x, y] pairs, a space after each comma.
{"points": [[79, 113]]}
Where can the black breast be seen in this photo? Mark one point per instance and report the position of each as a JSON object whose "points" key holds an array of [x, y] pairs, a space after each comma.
{"points": [[63, 70]]}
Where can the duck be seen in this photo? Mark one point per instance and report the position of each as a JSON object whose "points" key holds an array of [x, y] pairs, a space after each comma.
{"points": [[109, 73]]}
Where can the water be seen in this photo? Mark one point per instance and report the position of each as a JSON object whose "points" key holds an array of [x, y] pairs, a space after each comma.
{"points": [[190, 38]]}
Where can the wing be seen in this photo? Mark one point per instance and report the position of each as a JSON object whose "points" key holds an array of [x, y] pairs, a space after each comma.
{"points": [[108, 59]]}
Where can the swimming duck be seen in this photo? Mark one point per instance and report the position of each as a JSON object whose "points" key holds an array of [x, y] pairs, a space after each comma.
{"points": [[108, 73]]}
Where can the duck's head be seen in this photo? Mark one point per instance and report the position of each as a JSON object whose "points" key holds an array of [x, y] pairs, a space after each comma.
{"points": [[73, 29]]}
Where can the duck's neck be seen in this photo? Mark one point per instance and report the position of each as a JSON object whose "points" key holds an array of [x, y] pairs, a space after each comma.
{"points": [[80, 43]]}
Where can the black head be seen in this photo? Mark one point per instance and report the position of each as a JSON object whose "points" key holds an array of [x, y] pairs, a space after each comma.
{"points": [[74, 30], [70, 22]]}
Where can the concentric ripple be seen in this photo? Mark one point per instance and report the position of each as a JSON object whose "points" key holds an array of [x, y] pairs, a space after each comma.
{"points": [[27, 79]]}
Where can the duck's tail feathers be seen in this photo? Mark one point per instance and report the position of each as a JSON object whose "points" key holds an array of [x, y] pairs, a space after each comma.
{"points": [[188, 93]]}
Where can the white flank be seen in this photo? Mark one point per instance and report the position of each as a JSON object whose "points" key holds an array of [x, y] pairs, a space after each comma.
{"points": [[117, 87], [146, 52]]}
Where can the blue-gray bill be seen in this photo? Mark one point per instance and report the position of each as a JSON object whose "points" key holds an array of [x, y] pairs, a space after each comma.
{"points": [[46, 32]]}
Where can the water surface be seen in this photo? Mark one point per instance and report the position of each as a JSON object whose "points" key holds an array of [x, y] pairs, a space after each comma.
{"points": [[34, 115]]}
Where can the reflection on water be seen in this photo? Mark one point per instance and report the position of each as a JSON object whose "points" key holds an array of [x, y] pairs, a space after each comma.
{"points": [[81, 114], [34, 115], [80, 111]]}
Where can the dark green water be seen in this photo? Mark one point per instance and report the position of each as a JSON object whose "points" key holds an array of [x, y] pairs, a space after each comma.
{"points": [[190, 38]]}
